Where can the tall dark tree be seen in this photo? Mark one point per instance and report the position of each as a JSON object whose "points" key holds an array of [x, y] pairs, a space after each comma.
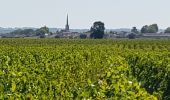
{"points": [[97, 30], [167, 30], [134, 30]]}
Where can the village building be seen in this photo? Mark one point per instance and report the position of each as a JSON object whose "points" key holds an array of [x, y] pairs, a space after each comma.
{"points": [[156, 35]]}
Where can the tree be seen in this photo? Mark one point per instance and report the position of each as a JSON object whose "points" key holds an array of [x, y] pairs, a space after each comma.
{"points": [[150, 29], [156, 27], [131, 36], [97, 30], [17, 32], [153, 28], [134, 30], [167, 30], [42, 31], [83, 36], [26, 32], [144, 29]]}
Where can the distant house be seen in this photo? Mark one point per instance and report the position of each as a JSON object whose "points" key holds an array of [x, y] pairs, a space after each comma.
{"points": [[122, 34], [87, 33], [67, 35], [109, 36]]}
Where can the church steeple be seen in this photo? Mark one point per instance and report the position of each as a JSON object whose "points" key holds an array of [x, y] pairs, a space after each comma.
{"points": [[67, 25], [67, 19]]}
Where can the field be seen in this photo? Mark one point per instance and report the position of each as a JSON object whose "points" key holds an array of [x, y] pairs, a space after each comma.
{"points": [[60, 69]]}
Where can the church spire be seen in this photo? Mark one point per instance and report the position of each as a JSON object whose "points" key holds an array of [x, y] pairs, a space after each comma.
{"points": [[67, 25], [67, 19]]}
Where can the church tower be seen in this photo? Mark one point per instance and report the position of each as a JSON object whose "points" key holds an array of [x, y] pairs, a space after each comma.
{"points": [[67, 25]]}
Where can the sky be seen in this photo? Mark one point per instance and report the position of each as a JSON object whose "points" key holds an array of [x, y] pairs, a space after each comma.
{"points": [[82, 13]]}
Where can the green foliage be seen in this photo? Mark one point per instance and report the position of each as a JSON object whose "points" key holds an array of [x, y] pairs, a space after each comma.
{"points": [[150, 29], [167, 30], [134, 30], [153, 28], [83, 36], [30, 32], [144, 29], [55, 69], [97, 30], [153, 71], [42, 31], [26, 32], [132, 36]]}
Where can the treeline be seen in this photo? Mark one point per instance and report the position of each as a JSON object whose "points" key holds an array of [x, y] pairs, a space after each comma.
{"points": [[98, 28], [153, 28], [31, 32], [97, 31], [150, 28]]}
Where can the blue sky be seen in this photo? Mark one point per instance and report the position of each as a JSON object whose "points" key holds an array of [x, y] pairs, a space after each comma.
{"points": [[82, 13]]}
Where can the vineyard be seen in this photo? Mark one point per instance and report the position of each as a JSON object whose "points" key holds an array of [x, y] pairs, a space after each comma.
{"points": [[60, 69]]}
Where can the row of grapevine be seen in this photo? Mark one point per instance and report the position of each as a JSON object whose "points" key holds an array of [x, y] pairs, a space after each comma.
{"points": [[84, 69]]}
